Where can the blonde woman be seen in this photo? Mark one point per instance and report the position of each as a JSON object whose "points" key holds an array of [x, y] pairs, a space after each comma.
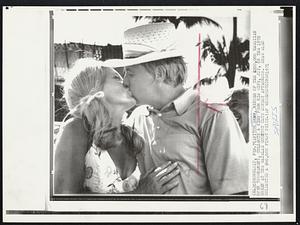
{"points": [[94, 151]]}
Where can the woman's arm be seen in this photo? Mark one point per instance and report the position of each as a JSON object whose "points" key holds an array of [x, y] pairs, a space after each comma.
{"points": [[70, 151]]}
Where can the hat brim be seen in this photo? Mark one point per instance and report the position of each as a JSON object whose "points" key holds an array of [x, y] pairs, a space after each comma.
{"points": [[153, 56]]}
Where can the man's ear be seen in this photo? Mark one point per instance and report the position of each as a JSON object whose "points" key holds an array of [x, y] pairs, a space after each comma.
{"points": [[159, 76]]}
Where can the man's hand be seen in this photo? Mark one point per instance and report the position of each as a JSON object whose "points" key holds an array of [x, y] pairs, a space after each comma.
{"points": [[159, 180]]}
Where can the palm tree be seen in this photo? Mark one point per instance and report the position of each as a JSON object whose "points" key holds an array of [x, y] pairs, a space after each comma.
{"points": [[188, 21], [236, 58], [218, 53], [232, 55]]}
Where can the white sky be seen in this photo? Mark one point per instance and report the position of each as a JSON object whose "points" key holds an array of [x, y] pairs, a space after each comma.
{"points": [[90, 28], [102, 28]]}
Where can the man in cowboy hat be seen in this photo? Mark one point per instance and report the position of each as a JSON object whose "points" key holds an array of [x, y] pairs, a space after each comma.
{"points": [[204, 139]]}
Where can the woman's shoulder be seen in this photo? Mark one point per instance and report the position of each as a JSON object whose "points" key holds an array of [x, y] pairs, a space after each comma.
{"points": [[73, 123], [74, 126], [74, 132]]}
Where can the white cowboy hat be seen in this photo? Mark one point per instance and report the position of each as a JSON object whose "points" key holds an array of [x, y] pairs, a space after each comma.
{"points": [[147, 43]]}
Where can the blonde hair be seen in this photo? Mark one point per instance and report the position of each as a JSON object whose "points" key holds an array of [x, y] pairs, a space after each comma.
{"points": [[85, 78], [173, 69], [83, 93]]}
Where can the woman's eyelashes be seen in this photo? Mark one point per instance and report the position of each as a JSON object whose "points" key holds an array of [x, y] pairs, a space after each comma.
{"points": [[128, 74], [118, 78]]}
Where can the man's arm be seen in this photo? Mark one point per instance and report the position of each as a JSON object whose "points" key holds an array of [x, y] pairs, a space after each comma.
{"points": [[225, 153]]}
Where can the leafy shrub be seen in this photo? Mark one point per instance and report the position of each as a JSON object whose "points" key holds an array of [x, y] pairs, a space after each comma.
{"points": [[61, 108]]}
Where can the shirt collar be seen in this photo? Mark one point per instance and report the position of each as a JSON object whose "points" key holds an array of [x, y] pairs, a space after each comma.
{"points": [[182, 102]]}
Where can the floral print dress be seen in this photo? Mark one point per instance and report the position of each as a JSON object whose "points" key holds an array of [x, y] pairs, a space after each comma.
{"points": [[102, 176]]}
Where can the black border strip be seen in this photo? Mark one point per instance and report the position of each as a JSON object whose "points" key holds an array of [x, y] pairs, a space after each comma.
{"points": [[160, 198], [42, 212], [148, 3], [144, 198], [52, 99]]}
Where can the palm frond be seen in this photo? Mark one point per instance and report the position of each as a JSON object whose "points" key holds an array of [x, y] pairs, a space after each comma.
{"points": [[188, 21], [191, 21]]}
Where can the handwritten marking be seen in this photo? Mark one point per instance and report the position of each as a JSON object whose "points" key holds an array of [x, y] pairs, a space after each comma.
{"points": [[275, 120]]}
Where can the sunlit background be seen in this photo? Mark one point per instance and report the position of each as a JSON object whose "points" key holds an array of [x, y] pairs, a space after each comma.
{"points": [[224, 48]]}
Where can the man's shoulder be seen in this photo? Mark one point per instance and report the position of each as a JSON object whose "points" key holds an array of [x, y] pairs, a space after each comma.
{"points": [[214, 107], [192, 100], [205, 110]]}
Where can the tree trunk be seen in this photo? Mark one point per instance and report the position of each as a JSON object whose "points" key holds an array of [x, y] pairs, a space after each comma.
{"points": [[66, 53], [232, 55]]}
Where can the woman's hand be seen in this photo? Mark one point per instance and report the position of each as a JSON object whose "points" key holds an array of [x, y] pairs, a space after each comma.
{"points": [[159, 180]]}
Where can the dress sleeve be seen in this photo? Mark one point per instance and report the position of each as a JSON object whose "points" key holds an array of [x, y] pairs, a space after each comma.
{"points": [[225, 154]]}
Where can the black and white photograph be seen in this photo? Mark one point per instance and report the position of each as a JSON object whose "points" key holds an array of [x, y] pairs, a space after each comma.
{"points": [[151, 104], [175, 113]]}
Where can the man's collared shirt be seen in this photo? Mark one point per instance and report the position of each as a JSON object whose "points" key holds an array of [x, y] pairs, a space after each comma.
{"points": [[205, 139]]}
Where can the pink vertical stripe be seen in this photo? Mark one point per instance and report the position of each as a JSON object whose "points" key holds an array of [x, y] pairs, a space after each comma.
{"points": [[199, 55], [198, 100]]}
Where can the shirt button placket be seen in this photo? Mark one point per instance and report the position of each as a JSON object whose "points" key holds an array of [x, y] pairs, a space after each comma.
{"points": [[154, 142], [160, 149], [158, 121]]}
